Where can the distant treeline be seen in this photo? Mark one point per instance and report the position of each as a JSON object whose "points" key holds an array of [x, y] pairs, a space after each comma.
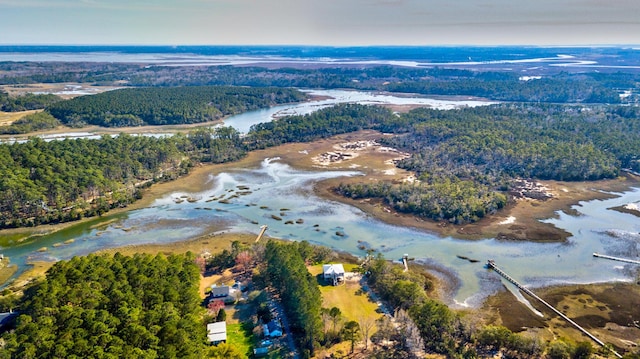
{"points": [[167, 106], [558, 87]]}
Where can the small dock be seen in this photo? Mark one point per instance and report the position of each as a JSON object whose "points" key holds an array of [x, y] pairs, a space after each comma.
{"points": [[405, 262], [492, 264], [262, 230], [598, 255]]}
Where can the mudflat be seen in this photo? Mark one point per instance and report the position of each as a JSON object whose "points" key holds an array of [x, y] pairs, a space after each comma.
{"points": [[520, 220], [610, 311]]}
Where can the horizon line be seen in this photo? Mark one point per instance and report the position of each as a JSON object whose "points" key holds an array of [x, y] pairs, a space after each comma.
{"points": [[621, 45]]}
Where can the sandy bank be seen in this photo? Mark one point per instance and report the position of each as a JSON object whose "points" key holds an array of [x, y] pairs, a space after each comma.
{"points": [[376, 163]]}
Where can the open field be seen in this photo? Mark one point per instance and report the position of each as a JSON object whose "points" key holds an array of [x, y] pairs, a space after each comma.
{"points": [[107, 130], [7, 118], [349, 297], [211, 243], [353, 302], [65, 90]]}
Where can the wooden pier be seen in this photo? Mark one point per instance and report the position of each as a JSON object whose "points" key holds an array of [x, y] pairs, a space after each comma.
{"points": [[492, 264], [598, 255], [405, 262], [262, 230]]}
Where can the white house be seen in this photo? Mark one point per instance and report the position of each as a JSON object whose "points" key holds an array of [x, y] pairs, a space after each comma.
{"points": [[333, 273], [217, 332], [220, 291]]}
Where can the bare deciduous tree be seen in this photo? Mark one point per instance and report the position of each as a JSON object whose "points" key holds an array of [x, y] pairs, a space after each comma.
{"points": [[366, 324]]}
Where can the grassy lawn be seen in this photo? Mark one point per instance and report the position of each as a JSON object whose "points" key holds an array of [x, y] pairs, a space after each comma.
{"points": [[353, 305], [241, 338]]}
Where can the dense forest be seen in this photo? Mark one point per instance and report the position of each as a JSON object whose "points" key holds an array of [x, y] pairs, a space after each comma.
{"points": [[112, 307], [465, 159], [558, 87], [167, 106], [44, 182]]}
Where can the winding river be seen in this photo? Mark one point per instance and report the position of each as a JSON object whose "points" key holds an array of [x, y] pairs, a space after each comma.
{"points": [[244, 199], [282, 197]]}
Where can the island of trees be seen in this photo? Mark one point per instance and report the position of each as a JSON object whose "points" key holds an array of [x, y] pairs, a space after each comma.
{"points": [[167, 106], [552, 87], [466, 160]]}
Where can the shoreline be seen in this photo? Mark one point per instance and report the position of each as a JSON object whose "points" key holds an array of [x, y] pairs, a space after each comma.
{"points": [[500, 308], [94, 130], [519, 220], [606, 309]]}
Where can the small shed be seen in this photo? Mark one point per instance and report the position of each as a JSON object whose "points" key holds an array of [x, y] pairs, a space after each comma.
{"points": [[217, 332], [333, 273]]}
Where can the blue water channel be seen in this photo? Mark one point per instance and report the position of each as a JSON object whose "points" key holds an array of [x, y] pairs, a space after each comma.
{"points": [[244, 199], [252, 197]]}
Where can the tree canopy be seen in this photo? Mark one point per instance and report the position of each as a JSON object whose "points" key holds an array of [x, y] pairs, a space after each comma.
{"points": [[167, 106], [112, 307]]}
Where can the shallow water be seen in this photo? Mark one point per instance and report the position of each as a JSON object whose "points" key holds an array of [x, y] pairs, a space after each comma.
{"points": [[275, 189], [243, 122]]}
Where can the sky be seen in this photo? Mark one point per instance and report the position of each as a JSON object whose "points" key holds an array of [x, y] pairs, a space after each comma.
{"points": [[320, 22]]}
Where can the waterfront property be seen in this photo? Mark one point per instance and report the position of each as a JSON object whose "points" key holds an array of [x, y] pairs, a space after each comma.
{"points": [[333, 273]]}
